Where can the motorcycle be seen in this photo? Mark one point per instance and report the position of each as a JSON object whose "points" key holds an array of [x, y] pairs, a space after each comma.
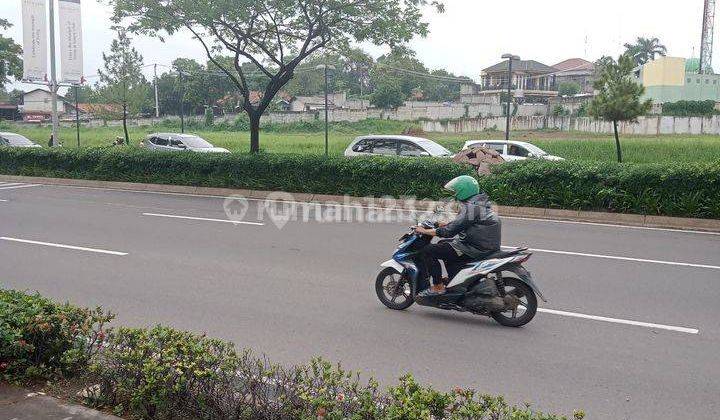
{"points": [[497, 286]]}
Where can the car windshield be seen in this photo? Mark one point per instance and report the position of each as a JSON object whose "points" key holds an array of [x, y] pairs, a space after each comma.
{"points": [[195, 142], [17, 140], [535, 150], [433, 148]]}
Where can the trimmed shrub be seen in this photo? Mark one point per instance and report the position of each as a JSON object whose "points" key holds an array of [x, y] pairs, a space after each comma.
{"points": [[681, 189], [676, 189], [690, 108], [41, 339], [423, 178], [162, 373]]}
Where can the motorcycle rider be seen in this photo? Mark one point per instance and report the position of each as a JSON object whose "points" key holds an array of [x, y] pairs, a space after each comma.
{"points": [[475, 233]]}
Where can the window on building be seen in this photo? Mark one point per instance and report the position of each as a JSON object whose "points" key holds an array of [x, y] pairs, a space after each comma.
{"points": [[689, 80], [698, 80], [707, 81]]}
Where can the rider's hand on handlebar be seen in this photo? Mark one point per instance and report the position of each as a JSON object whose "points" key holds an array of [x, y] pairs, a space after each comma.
{"points": [[423, 231]]}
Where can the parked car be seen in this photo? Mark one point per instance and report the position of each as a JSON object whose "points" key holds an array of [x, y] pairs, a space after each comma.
{"points": [[512, 150], [383, 145], [16, 140], [177, 142]]}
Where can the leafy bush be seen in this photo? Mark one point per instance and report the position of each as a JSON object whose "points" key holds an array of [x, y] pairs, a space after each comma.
{"points": [[162, 373], [677, 189], [569, 88], [690, 108], [40, 339]]}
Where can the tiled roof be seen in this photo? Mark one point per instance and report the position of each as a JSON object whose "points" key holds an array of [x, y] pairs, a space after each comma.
{"points": [[521, 65], [574, 64]]}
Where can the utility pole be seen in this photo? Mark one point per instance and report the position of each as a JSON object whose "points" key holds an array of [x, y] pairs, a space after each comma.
{"points": [[326, 111], [157, 102], [325, 68], [510, 59], [53, 77], [77, 116], [182, 104]]}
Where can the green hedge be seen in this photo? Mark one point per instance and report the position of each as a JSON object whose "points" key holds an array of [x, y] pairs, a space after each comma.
{"points": [[675, 189], [287, 172], [163, 373], [678, 189]]}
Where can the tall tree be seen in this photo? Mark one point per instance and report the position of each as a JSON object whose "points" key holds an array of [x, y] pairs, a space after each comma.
{"points": [[10, 57], [619, 95], [275, 35], [388, 94], [122, 84], [645, 50]]}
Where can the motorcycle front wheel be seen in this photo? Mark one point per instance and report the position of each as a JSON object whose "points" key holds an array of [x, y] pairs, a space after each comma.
{"points": [[525, 310], [394, 289]]}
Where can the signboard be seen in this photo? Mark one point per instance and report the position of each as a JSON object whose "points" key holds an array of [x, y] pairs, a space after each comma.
{"points": [[71, 54], [35, 40]]}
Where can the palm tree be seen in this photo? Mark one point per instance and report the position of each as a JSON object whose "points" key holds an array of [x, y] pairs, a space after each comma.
{"points": [[645, 49]]}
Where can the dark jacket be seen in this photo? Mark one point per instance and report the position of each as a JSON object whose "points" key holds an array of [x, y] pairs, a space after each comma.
{"points": [[477, 228]]}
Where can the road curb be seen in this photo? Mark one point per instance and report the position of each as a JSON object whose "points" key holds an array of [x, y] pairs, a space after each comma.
{"points": [[622, 219]]}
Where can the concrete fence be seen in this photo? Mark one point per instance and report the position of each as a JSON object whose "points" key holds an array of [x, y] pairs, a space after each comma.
{"points": [[451, 119], [645, 125]]}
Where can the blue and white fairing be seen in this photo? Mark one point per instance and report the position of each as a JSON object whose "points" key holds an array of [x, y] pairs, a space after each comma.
{"points": [[400, 261]]}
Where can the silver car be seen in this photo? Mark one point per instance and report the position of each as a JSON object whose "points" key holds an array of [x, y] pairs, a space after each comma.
{"points": [[512, 150], [178, 142], [385, 145], [16, 140]]}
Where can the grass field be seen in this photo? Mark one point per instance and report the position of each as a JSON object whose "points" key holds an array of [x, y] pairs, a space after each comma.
{"points": [[571, 145]]}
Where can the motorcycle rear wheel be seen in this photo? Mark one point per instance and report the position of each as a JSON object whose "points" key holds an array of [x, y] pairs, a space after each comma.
{"points": [[522, 291], [393, 289]]}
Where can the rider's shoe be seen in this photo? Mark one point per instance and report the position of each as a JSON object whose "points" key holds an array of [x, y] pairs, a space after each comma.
{"points": [[434, 290]]}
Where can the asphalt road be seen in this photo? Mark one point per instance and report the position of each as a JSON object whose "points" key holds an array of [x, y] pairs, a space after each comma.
{"points": [[306, 290]]}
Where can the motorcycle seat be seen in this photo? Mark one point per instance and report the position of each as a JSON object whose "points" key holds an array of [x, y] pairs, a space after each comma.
{"points": [[500, 254]]}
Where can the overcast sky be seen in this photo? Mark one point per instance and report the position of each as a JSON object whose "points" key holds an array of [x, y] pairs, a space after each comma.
{"points": [[471, 34]]}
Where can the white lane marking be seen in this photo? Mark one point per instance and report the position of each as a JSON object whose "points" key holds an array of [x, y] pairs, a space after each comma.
{"points": [[384, 208], [573, 222], [620, 321], [76, 248], [4, 187], [7, 184], [3, 201], [205, 219], [615, 257]]}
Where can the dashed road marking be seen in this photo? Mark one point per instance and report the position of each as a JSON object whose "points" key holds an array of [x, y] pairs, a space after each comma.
{"points": [[204, 219], [55, 245]]}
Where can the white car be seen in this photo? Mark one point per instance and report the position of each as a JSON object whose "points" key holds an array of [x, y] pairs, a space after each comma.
{"points": [[386, 145], [16, 140], [177, 142], [512, 150]]}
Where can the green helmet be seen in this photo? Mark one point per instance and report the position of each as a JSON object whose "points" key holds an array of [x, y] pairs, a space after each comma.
{"points": [[463, 187]]}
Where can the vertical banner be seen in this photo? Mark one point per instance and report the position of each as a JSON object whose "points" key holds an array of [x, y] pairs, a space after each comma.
{"points": [[35, 40], [71, 53]]}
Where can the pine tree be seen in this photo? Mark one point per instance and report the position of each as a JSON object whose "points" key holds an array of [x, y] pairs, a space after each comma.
{"points": [[122, 84], [619, 95]]}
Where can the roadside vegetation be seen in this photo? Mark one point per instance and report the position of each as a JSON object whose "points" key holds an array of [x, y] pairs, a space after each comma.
{"points": [[164, 373], [668, 189], [308, 138]]}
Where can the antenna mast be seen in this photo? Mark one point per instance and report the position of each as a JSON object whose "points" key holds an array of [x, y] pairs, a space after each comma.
{"points": [[706, 46]]}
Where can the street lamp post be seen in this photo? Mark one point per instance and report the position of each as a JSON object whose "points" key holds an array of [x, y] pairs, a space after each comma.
{"points": [[325, 68], [510, 59]]}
